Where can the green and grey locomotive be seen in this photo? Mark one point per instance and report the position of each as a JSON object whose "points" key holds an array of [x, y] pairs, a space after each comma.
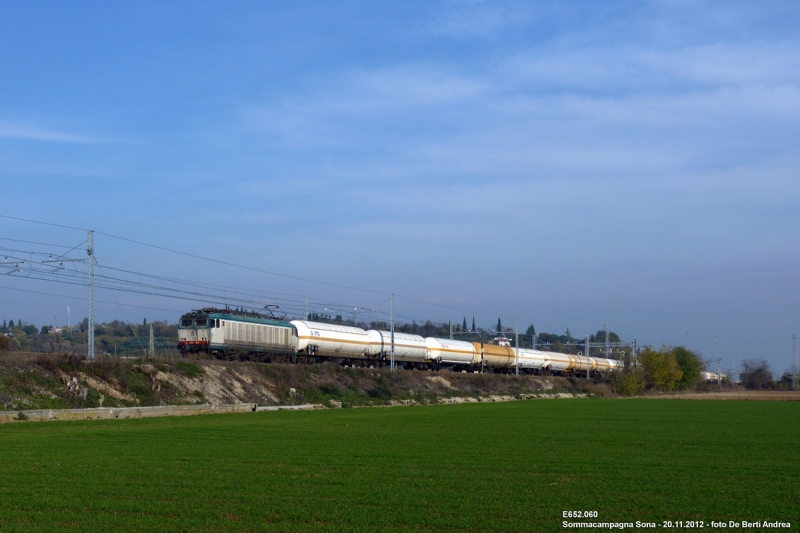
{"points": [[228, 334]]}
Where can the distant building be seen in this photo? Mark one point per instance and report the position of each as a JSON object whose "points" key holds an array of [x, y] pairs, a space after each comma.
{"points": [[501, 340]]}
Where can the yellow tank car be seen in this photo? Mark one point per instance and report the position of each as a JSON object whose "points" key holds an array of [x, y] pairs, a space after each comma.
{"points": [[495, 356]]}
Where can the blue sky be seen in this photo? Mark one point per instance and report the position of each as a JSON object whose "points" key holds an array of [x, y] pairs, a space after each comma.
{"points": [[564, 163]]}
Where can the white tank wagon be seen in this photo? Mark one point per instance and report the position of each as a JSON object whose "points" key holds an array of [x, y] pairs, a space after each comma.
{"points": [[603, 366], [532, 360], [581, 364], [557, 362], [712, 377], [407, 347], [505, 359], [331, 340], [451, 352]]}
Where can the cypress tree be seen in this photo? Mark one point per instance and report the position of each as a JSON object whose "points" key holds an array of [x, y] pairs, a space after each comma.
{"points": [[473, 323], [464, 325], [499, 326]]}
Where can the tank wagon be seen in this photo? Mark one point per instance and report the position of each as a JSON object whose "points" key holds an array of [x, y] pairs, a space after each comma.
{"points": [[501, 358], [410, 350], [227, 334]]}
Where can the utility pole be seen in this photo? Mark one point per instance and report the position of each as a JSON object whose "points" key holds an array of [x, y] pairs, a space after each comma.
{"points": [[451, 330], [152, 343], [69, 325], [305, 307], [586, 353], [90, 282], [391, 315], [718, 361], [794, 362], [608, 350], [516, 345]]}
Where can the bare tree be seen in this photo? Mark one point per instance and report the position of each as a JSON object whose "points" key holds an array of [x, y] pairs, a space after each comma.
{"points": [[756, 374]]}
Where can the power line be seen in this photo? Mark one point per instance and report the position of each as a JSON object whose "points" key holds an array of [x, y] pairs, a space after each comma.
{"points": [[216, 298], [35, 242], [228, 263], [83, 298]]}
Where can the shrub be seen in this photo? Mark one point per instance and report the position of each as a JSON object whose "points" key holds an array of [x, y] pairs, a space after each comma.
{"points": [[189, 370], [756, 374], [92, 398], [331, 389], [661, 369], [633, 384], [5, 343]]}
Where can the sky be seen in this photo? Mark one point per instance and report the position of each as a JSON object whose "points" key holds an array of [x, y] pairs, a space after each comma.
{"points": [[566, 164]]}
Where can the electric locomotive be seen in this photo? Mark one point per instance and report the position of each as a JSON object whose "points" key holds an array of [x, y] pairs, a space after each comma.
{"points": [[228, 334]]}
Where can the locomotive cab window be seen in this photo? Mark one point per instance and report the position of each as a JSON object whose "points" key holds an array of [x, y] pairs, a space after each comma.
{"points": [[201, 322], [186, 322]]}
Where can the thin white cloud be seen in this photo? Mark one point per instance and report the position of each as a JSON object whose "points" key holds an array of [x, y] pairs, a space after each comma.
{"points": [[9, 130], [478, 18]]}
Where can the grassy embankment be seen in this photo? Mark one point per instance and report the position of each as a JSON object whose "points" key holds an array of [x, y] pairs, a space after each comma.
{"points": [[477, 467], [45, 381]]}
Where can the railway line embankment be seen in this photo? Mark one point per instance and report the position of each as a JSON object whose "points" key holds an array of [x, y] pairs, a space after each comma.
{"points": [[114, 387]]}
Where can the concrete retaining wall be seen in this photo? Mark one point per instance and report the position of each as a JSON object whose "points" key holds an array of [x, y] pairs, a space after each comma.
{"points": [[107, 413]]}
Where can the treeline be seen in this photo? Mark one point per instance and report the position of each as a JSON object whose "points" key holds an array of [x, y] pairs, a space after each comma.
{"points": [[118, 337], [756, 374], [668, 369]]}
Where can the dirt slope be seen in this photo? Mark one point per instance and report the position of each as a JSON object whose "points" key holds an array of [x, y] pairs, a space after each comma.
{"points": [[57, 381]]}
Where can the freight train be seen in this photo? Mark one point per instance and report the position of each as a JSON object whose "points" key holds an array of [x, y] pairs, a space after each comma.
{"points": [[227, 334]]}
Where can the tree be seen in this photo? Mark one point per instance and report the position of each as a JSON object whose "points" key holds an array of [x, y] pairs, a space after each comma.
{"points": [[690, 364], [45, 329], [10, 323], [661, 369], [756, 374], [600, 336], [145, 321], [464, 325], [473, 324], [499, 326], [531, 331], [5, 343]]}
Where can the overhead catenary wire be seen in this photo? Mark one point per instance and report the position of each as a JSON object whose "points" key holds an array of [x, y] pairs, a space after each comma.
{"points": [[218, 299], [126, 316], [83, 298], [217, 294], [245, 267]]}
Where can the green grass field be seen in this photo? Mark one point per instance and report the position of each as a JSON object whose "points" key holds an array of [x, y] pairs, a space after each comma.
{"points": [[476, 467]]}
